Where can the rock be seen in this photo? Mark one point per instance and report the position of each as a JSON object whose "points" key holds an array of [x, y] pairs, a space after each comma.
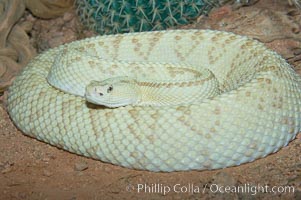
{"points": [[47, 9], [80, 166], [47, 173], [68, 16]]}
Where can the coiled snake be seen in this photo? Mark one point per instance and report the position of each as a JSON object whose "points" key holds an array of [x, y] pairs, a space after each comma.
{"points": [[257, 111]]}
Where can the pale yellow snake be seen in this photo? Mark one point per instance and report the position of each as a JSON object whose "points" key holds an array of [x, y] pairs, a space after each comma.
{"points": [[257, 112], [115, 83]]}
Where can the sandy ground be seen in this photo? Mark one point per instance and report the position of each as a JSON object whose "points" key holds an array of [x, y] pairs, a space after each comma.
{"points": [[30, 169]]}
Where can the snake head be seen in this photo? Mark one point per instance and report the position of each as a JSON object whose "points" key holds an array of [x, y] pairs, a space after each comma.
{"points": [[113, 92]]}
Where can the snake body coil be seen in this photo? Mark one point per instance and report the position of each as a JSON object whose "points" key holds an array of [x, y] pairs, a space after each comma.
{"points": [[257, 112]]}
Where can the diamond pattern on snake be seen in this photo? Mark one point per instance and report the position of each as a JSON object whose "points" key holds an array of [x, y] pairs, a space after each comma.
{"points": [[160, 101], [148, 83]]}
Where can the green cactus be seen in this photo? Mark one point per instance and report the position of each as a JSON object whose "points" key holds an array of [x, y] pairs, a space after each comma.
{"points": [[121, 16]]}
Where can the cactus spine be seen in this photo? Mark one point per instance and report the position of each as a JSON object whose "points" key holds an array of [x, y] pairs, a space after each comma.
{"points": [[120, 16]]}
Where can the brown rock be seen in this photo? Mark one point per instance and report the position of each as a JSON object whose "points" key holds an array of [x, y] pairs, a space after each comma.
{"points": [[47, 9]]}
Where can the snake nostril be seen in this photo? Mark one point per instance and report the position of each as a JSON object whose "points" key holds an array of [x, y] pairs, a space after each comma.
{"points": [[100, 94]]}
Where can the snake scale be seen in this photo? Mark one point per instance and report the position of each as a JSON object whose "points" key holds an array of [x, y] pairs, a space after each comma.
{"points": [[118, 83], [257, 112]]}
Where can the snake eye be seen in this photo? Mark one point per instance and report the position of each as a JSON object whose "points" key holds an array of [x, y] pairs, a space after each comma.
{"points": [[110, 88]]}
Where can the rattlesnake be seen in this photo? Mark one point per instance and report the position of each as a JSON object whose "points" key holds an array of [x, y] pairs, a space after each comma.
{"points": [[257, 112], [114, 83]]}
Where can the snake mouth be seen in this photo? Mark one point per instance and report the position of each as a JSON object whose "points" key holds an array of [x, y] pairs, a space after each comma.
{"points": [[92, 99]]}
